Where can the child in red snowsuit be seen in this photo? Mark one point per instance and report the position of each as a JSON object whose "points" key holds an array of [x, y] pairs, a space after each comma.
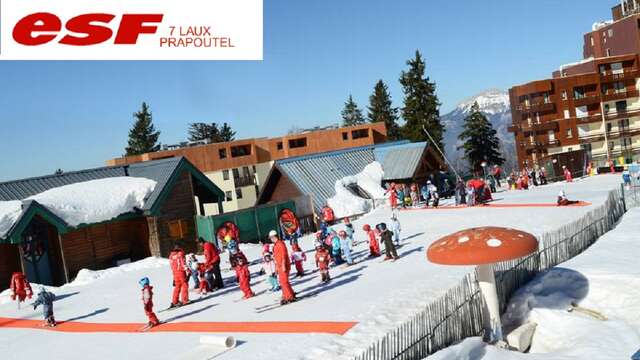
{"points": [[298, 257], [180, 282], [393, 196], [240, 264], [147, 302], [322, 262], [202, 279], [374, 246], [20, 287]]}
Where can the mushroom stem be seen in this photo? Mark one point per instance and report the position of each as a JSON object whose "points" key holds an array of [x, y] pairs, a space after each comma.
{"points": [[491, 317]]}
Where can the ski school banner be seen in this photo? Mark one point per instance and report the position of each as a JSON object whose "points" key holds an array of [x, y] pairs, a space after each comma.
{"points": [[131, 29]]}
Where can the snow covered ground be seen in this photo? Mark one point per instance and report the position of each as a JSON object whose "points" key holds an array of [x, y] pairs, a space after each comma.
{"points": [[378, 295], [605, 278]]}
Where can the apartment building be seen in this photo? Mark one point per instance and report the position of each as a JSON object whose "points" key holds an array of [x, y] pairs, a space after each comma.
{"points": [[240, 168], [593, 104]]}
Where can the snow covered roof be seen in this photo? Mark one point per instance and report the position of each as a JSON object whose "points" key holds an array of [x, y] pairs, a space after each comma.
{"points": [[94, 195]]}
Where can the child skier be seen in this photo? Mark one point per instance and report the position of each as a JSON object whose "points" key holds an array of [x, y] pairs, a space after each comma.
{"points": [[240, 264], [387, 238], [269, 267], [20, 287], [345, 246], [393, 196], [192, 264], [374, 246], [322, 262], [46, 299], [203, 283], [180, 283], [335, 248], [147, 302], [298, 257], [394, 226]]}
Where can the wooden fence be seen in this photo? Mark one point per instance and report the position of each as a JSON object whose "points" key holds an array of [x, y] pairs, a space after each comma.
{"points": [[458, 314]]}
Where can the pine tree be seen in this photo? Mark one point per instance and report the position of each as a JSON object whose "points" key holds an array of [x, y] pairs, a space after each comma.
{"points": [[351, 114], [480, 140], [211, 132], [226, 133], [381, 110], [421, 105], [143, 137], [204, 131]]}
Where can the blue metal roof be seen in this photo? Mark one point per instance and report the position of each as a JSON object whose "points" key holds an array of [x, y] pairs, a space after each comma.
{"points": [[401, 161]]}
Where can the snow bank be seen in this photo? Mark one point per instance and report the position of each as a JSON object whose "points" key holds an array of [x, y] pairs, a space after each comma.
{"points": [[86, 276], [96, 200], [9, 213], [346, 203]]}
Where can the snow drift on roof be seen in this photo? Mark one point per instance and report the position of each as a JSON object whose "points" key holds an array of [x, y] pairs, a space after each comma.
{"points": [[9, 213], [346, 203], [95, 201]]}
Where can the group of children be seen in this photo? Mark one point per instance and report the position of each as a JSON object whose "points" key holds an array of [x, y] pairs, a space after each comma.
{"points": [[403, 196], [21, 291]]}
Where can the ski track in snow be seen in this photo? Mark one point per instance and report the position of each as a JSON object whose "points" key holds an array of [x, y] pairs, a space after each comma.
{"points": [[378, 295]]}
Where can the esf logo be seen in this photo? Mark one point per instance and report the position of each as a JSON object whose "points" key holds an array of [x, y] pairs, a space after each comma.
{"points": [[84, 30]]}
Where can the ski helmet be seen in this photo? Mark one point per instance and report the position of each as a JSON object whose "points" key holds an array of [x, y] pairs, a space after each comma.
{"points": [[366, 227], [272, 233], [144, 282], [382, 226]]}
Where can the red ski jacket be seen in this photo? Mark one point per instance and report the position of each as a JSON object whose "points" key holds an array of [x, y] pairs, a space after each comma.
{"points": [[322, 259], [281, 256], [20, 285], [211, 255], [178, 263], [327, 214], [147, 296]]}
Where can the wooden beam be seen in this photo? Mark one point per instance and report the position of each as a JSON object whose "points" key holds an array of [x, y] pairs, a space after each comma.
{"points": [[64, 261]]}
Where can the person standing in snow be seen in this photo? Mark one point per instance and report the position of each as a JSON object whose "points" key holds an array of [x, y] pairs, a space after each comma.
{"points": [[298, 257], [400, 192], [374, 246], [20, 287], [240, 264], [212, 264], [322, 262], [415, 198], [387, 238], [147, 302], [424, 191], [269, 268], [626, 178], [393, 196], [46, 299], [497, 174], [433, 192], [192, 264], [567, 174], [180, 283], [283, 266], [348, 227], [394, 226], [345, 246], [336, 248], [461, 193]]}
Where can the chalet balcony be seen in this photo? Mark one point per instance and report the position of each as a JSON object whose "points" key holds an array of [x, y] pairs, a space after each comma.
{"points": [[536, 107], [627, 74], [529, 145], [244, 181], [613, 134], [590, 119], [619, 95], [622, 114]]}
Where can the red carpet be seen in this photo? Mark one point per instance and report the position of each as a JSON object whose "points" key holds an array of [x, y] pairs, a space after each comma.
{"points": [[285, 327]]}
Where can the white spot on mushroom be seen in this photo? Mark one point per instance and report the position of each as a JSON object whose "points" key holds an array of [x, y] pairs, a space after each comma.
{"points": [[494, 242], [520, 235], [463, 239]]}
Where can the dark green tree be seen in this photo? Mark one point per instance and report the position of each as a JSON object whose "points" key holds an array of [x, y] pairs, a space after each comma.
{"points": [[143, 137], [381, 110], [421, 105], [226, 133], [211, 132], [480, 142], [351, 114]]}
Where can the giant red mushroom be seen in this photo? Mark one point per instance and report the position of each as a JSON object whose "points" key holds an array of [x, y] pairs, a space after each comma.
{"points": [[484, 246]]}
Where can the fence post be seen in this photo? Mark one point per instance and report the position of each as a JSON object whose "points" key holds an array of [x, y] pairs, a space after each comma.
{"points": [[624, 201]]}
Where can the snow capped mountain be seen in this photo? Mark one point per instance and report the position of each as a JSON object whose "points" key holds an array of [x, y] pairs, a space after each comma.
{"points": [[495, 105]]}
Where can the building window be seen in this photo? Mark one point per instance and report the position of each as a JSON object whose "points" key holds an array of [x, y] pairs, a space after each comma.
{"points": [[609, 127], [569, 134], [623, 125], [567, 114], [359, 134], [238, 193], [610, 32], [578, 93], [587, 149], [569, 149], [626, 142], [345, 136], [279, 145], [241, 150], [619, 86], [297, 143], [603, 69], [222, 153], [608, 52], [564, 95], [236, 174], [546, 98], [229, 195], [178, 229], [592, 42], [612, 145], [225, 174], [552, 135], [621, 106], [254, 168]]}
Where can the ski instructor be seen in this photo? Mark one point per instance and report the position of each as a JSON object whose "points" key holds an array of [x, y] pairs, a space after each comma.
{"points": [[283, 266]]}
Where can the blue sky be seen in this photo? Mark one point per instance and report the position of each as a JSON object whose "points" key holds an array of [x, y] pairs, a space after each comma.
{"points": [[74, 115]]}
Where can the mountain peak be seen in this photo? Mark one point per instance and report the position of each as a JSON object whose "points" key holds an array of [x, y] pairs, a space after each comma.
{"points": [[491, 102]]}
